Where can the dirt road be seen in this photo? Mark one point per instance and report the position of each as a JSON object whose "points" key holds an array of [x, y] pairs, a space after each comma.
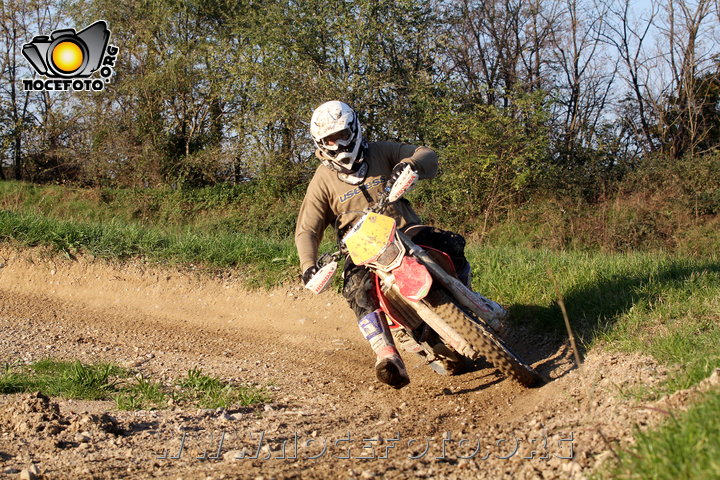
{"points": [[307, 350]]}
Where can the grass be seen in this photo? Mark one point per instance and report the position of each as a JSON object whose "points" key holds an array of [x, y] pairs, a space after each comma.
{"points": [[223, 227], [105, 381], [195, 389], [142, 394], [686, 446], [262, 261], [664, 305], [209, 392], [62, 378], [244, 208]]}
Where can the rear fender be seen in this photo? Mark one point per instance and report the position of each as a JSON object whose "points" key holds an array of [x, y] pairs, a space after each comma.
{"points": [[442, 259]]}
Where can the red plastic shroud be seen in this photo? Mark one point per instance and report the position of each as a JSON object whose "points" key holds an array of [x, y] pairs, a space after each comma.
{"points": [[394, 318]]}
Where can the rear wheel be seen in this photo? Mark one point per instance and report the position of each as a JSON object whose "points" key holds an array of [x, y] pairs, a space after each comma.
{"points": [[482, 339]]}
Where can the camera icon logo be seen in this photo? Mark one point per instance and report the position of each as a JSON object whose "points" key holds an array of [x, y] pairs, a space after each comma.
{"points": [[66, 55]]}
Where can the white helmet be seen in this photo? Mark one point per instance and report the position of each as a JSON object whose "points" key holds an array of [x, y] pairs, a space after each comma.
{"points": [[337, 122]]}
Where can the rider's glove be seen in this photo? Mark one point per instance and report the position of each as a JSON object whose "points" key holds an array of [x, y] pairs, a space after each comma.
{"points": [[308, 274]]}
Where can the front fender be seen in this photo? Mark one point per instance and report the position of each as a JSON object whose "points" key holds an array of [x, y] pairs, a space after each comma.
{"points": [[413, 279]]}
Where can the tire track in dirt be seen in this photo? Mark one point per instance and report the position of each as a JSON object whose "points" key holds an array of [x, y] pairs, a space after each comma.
{"points": [[161, 322]]}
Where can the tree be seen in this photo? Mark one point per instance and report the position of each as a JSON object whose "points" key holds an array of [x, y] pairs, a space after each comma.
{"points": [[499, 47], [16, 18], [168, 102], [492, 155], [683, 124], [586, 75], [630, 41]]}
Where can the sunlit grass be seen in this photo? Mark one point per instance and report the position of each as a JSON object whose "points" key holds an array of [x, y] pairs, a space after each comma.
{"points": [[61, 378], [685, 446], [105, 381]]}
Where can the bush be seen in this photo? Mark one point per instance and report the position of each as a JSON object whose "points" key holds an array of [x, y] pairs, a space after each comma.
{"points": [[490, 157]]}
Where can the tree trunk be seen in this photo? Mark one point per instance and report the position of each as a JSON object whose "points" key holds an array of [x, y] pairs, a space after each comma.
{"points": [[17, 157]]}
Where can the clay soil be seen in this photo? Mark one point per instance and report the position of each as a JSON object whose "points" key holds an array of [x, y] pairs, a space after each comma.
{"points": [[328, 417]]}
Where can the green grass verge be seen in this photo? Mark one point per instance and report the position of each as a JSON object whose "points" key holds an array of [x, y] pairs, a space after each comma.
{"points": [[686, 446], [105, 381], [262, 261], [663, 305], [141, 394], [195, 389], [244, 208], [65, 379], [209, 392]]}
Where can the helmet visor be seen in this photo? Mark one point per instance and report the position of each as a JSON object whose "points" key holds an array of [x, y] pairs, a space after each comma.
{"points": [[338, 139]]}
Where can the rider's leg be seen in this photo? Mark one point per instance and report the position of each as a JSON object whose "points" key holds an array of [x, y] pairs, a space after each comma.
{"points": [[359, 291], [389, 366], [446, 241]]}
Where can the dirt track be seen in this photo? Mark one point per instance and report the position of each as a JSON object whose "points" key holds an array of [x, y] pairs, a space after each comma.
{"points": [[163, 322]]}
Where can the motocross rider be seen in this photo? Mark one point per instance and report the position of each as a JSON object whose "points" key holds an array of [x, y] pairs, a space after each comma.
{"points": [[352, 173]]}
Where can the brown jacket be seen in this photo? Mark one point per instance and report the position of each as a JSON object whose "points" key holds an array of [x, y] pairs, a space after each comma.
{"points": [[328, 197]]}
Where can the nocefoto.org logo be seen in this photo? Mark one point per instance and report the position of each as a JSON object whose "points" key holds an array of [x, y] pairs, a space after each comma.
{"points": [[67, 59]]}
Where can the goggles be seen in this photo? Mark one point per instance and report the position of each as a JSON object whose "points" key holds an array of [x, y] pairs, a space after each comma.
{"points": [[337, 140]]}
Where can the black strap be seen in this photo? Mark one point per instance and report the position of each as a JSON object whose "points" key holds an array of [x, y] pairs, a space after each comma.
{"points": [[366, 194]]}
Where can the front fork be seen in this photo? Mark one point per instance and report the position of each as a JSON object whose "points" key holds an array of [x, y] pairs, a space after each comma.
{"points": [[434, 321]]}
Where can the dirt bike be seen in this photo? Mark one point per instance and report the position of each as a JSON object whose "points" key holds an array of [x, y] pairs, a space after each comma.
{"points": [[429, 310]]}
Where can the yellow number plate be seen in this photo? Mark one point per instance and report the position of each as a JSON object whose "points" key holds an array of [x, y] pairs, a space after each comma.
{"points": [[366, 243]]}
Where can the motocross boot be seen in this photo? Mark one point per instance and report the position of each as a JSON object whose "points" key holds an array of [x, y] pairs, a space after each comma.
{"points": [[389, 367]]}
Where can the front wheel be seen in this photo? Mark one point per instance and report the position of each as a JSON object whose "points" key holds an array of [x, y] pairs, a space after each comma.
{"points": [[483, 341]]}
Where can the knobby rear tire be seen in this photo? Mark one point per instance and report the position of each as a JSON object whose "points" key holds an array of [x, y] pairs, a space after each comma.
{"points": [[484, 341]]}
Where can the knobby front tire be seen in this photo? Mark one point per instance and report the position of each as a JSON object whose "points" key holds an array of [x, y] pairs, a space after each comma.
{"points": [[483, 341]]}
